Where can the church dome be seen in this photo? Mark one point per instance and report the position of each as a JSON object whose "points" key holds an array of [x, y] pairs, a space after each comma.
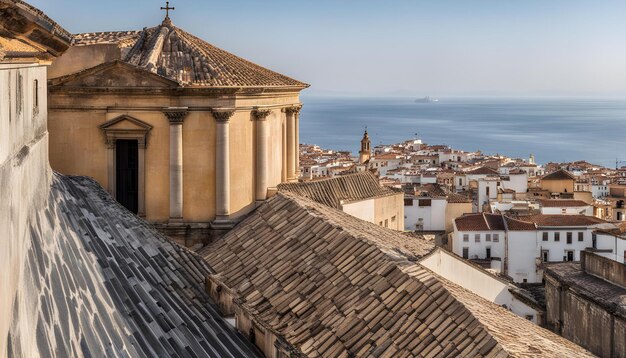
{"points": [[182, 57]]}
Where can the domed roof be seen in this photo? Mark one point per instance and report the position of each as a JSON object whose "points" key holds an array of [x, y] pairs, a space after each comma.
{"points": [[173, 53]]}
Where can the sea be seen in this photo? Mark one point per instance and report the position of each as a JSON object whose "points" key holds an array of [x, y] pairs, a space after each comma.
{"points": [[553, 129]]}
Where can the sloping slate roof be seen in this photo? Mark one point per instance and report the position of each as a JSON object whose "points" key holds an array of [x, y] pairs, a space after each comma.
{"points": [[173, 53], [333, 285], [102, 282], [562, 203], [331, 192], [559, 175]]}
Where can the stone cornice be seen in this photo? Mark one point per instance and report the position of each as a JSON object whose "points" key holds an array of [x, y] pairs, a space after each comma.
{"points": [[176, 115], [261, 114], [223, 115]]}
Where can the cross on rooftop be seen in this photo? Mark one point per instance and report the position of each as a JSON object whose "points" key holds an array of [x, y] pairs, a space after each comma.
{"points": [[167, 9]]}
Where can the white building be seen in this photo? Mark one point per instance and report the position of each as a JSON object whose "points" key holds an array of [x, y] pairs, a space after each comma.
{"points": [[518, 247], [611, 243], [565, 207]]}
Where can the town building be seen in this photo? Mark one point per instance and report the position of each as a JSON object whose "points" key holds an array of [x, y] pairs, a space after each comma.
{"points": [[359, 195], [430, 208], [519, 246], [586, 303], [180, 132]]}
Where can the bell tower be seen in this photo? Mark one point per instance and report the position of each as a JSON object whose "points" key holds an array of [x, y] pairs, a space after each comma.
{"points": [[365, 152]]}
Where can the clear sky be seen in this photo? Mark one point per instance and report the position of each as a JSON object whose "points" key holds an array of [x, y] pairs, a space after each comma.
{"points": [[403, 47]]}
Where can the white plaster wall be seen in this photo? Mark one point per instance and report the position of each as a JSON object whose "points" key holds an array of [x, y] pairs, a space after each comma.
{"points": [[25, 178], [478, 249], [517, 182], [522, 257], [483, 198], [364, 210], [434, 216], [558, 249], [617, 245], [476, 281]]}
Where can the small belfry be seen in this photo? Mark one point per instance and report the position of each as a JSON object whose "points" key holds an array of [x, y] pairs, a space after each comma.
{"points": [[366, 151]]}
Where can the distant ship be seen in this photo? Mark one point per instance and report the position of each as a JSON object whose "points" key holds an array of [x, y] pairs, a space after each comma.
{"points": [[426, 99]]}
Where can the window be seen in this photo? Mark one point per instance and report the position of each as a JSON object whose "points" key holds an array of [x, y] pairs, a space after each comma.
{"points": [[487, 191], [408, 202], [488, 253], [460, 182], [563, 211], [545, 236], [424, 202], [581, 236], [386, 223], [496, 237], [19, 94], [529, 317], [466, 252], [465, 237], [488, 237], [545, 255], [380, 223], [36, 94], [569, 237], [477, 237], [624, 255], [393, 219], [557, 236]]}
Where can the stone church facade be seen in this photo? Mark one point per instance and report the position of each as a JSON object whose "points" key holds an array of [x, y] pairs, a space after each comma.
{"points": [[182, 133]]}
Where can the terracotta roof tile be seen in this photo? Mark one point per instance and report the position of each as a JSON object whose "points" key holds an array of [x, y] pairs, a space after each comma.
{"points": [[178, 55], [561, 203], [346, 188], [562, 220], [559, 175], [328, 282]]}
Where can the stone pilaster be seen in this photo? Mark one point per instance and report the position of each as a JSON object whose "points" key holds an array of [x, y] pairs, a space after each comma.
{"points": [[262, 150], [176, 117], [222, 164]]}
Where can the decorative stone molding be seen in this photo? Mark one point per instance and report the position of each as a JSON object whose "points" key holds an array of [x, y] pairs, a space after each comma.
{"points": [[133, 129], [113, 133], [176, 115], [292, 110], [261, 114], [223, 115]]}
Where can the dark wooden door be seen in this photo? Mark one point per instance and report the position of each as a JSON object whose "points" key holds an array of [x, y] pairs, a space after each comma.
{"points": [[127, 174]]}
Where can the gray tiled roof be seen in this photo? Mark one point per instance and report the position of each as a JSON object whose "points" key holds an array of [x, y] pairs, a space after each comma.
{"points": [[332, 285], [178, 55], [103, 282]]}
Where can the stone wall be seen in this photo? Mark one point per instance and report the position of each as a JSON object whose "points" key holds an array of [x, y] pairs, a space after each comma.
{"points": [[607, 269], [25, 176]]}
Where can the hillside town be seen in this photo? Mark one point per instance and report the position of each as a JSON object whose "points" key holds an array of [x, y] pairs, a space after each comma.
{"points": [[157, 202]]}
